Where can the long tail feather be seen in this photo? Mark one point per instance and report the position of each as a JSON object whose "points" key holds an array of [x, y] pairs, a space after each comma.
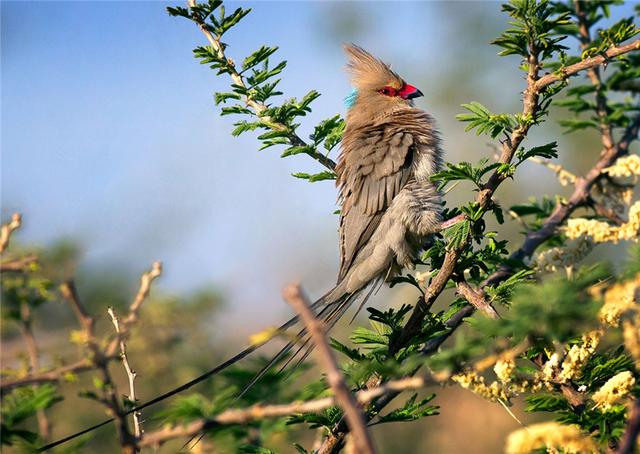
{"points": [[210, 373]]}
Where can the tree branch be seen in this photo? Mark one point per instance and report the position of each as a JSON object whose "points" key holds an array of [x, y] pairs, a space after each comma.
{"points": [[18, 265], [592, 62], [146, 280], [257, 412], [51, 376], [476, 297], [354, 415], [257, 106]]}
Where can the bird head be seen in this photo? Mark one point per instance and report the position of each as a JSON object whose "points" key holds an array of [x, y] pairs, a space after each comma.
{"points": [[376, 88]]}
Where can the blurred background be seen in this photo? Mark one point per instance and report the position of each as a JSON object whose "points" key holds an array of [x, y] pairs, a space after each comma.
{"points": [[115, 154]]}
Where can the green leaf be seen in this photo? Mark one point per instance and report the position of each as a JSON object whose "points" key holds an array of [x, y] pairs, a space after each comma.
{"points": [[481, 119], [458, 234], [258, 57], [411, 410], [291, 151], [548, 151], [312, 178]]}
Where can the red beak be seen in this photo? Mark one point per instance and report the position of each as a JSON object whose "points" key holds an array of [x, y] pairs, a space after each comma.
{"points": [[409, 92]]}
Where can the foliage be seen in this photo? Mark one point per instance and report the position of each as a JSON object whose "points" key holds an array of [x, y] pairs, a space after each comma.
{"points": [[565, 338]]}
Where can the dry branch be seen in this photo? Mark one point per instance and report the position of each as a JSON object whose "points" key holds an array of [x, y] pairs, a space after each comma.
{"points": [[7, 229], [353, 413], [131, 375]]}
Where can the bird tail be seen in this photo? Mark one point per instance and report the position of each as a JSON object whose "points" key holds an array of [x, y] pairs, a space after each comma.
{"points": [[332, 307]]}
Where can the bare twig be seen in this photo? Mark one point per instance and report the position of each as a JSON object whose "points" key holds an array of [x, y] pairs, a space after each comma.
{"points": [[7, 229], [257, 106], [100, 362], [256, 412], [146, 280], [143, 292], [354, 415], [131, 375], [70, 293]]}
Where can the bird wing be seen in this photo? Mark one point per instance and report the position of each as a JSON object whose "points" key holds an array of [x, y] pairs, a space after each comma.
{"points": [[375, 164]]}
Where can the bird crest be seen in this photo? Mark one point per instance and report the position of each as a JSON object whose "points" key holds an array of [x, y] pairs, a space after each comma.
{"points": [[368, 72]]}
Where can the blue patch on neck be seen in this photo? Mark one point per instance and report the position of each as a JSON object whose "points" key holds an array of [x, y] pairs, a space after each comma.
{"points": [[350, 100]]}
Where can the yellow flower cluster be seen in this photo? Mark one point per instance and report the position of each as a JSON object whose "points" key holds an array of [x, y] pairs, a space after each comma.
{"points": [[622, 307], [565, 257], [476, 384], [602, 232], [552, 435], [557, 371], [614, 390], [620, 299], [627, 166], [504, 369], [578, 355]]}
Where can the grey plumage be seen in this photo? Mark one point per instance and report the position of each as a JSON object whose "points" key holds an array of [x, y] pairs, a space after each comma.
{"points": [[388, 153], [389, 206]]}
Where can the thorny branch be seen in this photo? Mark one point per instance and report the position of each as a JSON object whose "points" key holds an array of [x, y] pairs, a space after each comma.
{"points": [[131, 375], [100, 362], [257, 106], [353, 413]]}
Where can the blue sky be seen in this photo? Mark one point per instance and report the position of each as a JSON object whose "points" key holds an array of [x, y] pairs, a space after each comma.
{"points": [[110, 134]]}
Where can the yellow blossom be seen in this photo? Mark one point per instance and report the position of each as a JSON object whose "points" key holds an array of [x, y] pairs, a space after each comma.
{"points": [[602, 232], [626, 166], [578, 355], [552, 435], [476, 384], [564, 257], [504, 369], [550, 368], [620, 299], [263, 336], [614, 390]]}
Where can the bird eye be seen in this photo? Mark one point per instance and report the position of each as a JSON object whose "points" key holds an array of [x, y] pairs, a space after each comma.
{"points": [[388, 91]]}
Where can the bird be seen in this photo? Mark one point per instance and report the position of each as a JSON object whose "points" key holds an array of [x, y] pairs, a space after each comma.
{"points": [[389, 207]]}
